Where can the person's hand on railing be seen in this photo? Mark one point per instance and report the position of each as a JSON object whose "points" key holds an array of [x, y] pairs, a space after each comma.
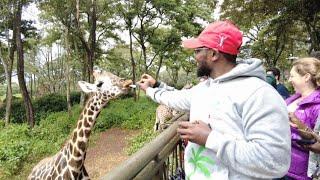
{"points": [[196, 132]]}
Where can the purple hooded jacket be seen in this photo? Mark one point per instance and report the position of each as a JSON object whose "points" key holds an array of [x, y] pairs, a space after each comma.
{"points": [[307, 111]]}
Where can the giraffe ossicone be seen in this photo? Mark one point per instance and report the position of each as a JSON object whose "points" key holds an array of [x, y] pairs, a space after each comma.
{"points": [[68, 163]]}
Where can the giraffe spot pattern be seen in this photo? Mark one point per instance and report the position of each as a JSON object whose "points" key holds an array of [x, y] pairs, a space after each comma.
{"points": [[79, 125], [81, 145], [67, 175], [75, 174], [74, 138], [90, 113], [81, 133], [87, 133], [86, 124]]}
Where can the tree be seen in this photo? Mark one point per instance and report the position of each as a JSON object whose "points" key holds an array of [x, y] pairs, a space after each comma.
{"points": [[20, 64], [276, 29]]}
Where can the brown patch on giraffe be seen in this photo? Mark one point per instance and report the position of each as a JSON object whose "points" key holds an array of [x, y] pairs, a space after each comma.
{"points": [[92, 108], [73, 162], [75, 174], [74, 138], [84, 111], [87, 133], [90, 113], [81, 145], [86, 124], [70, 148], [76, 153], [65, 152], [81, 133], [67, 175], [79, 124]]}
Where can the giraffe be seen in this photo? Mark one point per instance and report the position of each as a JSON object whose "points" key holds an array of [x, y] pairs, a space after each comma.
{"points": [[165, 113], [68, 163]]}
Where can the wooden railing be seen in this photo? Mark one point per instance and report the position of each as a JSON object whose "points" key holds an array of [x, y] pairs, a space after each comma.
{"points": [[162, 158]]}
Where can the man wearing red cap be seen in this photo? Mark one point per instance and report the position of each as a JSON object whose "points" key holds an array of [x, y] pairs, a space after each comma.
{"points": [[238, 126]]}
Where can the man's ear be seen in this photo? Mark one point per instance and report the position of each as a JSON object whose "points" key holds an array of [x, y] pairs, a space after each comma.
{"points": [[215, 54], [87, 87]]}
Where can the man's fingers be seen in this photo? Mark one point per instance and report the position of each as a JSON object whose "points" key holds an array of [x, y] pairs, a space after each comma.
{"points": [[185, 124], [182, 131]]}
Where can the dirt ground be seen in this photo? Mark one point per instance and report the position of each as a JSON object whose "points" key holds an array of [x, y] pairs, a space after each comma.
{"points": [[108, 151]]}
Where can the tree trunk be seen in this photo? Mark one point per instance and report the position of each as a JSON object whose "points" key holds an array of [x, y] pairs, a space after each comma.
{"points": [[8, 71], [68, 73], [9, 90], [158, 70], [92, 38], [20, 68], [133, 64]]}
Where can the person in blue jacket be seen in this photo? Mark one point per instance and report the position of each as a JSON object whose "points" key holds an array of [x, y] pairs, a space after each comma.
{"points": [[282, 90]]}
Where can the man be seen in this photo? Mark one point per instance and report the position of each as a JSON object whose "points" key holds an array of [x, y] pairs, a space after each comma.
{"points": [[238, 125], [282, 90]]}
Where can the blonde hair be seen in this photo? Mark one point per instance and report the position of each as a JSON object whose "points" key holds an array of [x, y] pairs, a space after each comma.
{"points": [[309, 65]]}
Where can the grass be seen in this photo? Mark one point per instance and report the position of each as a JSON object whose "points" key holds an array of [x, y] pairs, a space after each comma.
{"points": [[46, 139]]}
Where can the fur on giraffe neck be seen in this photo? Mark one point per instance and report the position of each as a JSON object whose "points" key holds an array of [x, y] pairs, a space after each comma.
{"points": [[79, 142]]}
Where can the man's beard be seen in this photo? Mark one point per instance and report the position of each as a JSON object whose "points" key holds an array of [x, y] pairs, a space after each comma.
{"points": [[203, 70]]}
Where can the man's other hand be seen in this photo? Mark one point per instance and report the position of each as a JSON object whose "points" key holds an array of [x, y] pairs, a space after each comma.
{"points": [[196, 132]]}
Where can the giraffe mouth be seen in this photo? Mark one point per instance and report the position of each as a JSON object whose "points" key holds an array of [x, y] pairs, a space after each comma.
{"points": [[127, 84]]}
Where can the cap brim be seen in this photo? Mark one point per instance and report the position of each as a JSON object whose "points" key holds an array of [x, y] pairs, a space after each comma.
{"points": [[192, 43]]}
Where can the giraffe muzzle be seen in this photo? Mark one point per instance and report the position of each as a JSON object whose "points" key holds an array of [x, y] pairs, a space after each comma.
{"points": [[127, 84]]}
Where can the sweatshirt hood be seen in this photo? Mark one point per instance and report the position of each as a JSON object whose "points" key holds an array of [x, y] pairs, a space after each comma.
{"points": [[245, 68]]}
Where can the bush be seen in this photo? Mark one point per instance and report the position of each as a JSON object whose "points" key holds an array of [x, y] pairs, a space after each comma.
{"points": [[15, 146], [75, 97], [20, 146], [42, 106], [138, 142], [18, 143], [128, 114], [18, 113]]}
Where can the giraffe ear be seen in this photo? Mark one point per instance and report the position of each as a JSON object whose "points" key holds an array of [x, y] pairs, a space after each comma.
{"points": [[87, 87]]}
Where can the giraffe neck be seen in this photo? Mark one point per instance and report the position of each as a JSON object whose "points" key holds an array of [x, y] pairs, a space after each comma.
{"points": [[79, 142]]}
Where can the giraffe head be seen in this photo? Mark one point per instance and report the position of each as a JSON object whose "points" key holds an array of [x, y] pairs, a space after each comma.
{"points": [[107, 84]]}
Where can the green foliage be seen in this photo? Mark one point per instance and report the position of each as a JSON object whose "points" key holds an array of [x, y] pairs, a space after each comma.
{"points": [[18, 113], [22, 148], [139, 141], [18, 143], [127, 113], [15, 146], [42, 106]]}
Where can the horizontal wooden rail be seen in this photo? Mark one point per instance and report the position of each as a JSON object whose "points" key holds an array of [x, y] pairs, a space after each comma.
{"points": [[147, 161]]}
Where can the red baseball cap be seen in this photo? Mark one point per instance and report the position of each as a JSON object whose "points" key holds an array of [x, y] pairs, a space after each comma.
{"points": [[221, 35]]}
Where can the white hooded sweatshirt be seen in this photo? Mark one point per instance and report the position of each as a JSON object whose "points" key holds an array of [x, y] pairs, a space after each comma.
{"points": [[250, 137]]}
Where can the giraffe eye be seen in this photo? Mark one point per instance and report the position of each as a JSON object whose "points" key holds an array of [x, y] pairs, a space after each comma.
{"points": [[100, 84]]}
